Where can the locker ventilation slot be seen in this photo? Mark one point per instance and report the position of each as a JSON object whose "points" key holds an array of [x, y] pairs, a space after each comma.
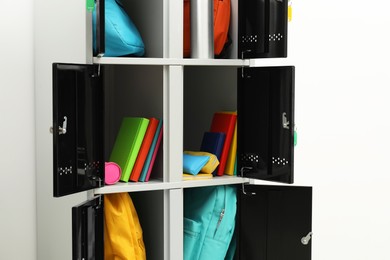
{"points": [[65, 170], [279, 161], [249, 38], [275, 37], [92, 166], [250, 158], [253, 160]]}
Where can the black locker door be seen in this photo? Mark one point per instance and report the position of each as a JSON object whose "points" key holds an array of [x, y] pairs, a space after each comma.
{"points": [[78, 162], [275, 223], [87, 230], [262, 28], [99, 31], [266, 123]]}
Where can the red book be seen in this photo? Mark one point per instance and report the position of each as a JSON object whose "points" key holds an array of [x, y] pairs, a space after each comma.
{"points": [[224, 122], [145, 146]]}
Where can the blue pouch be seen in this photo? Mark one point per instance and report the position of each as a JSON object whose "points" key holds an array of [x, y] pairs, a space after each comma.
{"points": [[194, 163], [209, 222], [121, 35]]}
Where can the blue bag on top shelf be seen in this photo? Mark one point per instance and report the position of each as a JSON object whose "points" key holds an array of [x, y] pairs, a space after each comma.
{"points": [[122, 37], [209, 222]]}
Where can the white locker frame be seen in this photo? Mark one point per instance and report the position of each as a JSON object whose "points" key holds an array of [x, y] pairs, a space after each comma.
{"points": [[173, 72]]}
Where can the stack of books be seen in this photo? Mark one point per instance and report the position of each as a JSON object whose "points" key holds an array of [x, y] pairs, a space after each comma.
{"points": [[136, 147], [221, 140]]}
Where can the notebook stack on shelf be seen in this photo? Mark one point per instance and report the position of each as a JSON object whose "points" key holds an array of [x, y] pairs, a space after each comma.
{"points": [[224, 122], [220, 141], [136, 146]]}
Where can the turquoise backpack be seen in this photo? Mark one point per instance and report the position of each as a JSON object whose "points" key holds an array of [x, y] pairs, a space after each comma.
{"points": [[122, 37], [209, 222]]}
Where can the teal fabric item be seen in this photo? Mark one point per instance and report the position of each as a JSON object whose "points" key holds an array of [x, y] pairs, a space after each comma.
{"points": [[232, 248], [192, 164], [122, 37], [209, 222]]}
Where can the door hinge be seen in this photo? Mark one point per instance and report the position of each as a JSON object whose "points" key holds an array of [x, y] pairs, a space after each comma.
{"points": [[242, 68]]}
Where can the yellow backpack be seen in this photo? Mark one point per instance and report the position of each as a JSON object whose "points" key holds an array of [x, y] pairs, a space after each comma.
{"points": [[122, 229]]}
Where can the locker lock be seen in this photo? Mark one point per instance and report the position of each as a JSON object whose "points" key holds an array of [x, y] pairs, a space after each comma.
{"points": [[306, 239], [61, 130]]}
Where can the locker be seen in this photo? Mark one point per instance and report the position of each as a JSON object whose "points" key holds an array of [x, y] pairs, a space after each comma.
{"points": [[77, 128], [273, 221], [266, 123], [265, 148], [262, 28]]}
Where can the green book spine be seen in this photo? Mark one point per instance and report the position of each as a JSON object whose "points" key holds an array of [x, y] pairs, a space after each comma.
{"points": [[128, 143]]}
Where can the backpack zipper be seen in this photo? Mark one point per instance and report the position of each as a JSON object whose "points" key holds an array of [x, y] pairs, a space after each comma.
{"points": [[222, 214], [220, 218]]}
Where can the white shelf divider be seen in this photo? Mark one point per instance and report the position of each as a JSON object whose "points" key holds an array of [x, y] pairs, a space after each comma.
{"points": [[170, 61], [269, 62], [159, 185]]}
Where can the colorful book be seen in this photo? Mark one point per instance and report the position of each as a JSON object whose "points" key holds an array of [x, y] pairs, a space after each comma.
{"points": [[144, 150], [229, 168], [159, 141], [127, 144], [149, 157], [213, 143], [199, 176], [224, 122]]}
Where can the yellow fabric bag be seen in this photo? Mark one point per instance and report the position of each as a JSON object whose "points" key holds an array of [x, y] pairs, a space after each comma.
{"points": [[122, 230]]}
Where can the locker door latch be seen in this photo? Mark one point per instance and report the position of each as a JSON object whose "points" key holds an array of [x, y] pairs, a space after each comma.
{"points": [[306, 239], [285, 122], [61, 130]]}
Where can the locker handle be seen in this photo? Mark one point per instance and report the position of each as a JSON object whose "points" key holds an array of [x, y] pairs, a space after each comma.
{"points": [[61, 130], [306, 239], [285, 122]]}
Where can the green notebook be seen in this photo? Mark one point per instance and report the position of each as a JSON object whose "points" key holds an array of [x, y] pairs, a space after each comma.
{"points": [[127, 144]]}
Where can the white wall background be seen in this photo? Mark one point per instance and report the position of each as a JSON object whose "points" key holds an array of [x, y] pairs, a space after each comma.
{"points": [[17, 160], [341, 52], [59, 37]]}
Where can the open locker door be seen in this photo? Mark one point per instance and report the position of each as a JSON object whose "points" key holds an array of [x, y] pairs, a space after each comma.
{"points": [[266, 123], [262, 28], [78, 159], [275, 223], [87, 230]]}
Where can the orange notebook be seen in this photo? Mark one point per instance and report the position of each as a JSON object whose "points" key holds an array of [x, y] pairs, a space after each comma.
{"points": [[224, 122], [143, 152]]}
